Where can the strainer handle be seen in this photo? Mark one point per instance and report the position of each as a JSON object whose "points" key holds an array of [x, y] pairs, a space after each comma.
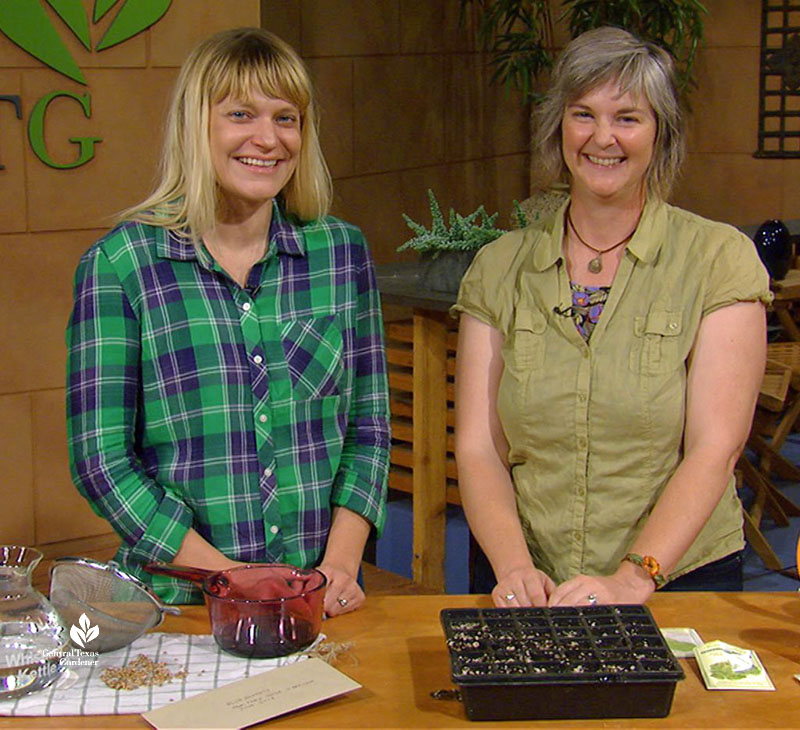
{"points": [[163, 607]]}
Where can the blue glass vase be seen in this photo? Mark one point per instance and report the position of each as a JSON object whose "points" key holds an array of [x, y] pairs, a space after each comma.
{"points": [[774, 247]]}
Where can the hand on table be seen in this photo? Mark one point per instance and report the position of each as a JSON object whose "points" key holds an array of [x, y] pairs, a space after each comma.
{"points": [[522, 587], [342, 594], [587, 590]]}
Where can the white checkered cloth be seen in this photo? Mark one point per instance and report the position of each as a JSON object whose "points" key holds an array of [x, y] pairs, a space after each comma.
{"points": [[80, 691]]}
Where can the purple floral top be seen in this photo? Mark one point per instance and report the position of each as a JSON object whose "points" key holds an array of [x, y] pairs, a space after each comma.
{"points": [[587, 305]]}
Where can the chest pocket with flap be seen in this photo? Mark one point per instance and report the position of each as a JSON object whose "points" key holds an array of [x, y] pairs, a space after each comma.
{"points": [[314, 351], [657, 342], [529, 339]]}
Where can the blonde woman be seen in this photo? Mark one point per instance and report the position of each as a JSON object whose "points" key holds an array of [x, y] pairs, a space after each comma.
{"points": [[227, 396], [609, 358]]}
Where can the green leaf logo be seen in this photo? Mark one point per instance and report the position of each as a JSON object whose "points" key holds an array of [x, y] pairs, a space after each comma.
{"points": [[26, 23]]}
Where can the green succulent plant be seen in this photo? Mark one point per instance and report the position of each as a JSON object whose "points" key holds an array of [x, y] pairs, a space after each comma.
{"points": [[465, 233]]}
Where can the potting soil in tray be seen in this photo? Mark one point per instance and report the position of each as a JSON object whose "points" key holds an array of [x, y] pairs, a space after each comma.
{"points": [[559, 663]]}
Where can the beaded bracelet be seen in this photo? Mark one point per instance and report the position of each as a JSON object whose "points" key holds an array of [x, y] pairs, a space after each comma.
{"points": [[650, 564]]}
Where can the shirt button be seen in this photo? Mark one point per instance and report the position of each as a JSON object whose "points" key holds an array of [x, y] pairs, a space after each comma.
{"points": [[274, 529], [267, 472], [582, 397], [258, 359], [262, 418], [246, 306], [673, 325], [581, 443]]}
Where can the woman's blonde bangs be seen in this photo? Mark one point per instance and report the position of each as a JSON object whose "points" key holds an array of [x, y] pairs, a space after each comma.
{"points": [[240, 78]]}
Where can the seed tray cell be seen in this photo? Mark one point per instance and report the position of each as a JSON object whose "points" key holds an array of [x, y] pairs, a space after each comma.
{"points": [[560, 663]]}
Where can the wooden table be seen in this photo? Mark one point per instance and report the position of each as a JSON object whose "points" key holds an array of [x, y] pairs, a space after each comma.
{"points": [[399, 657], [399, 285]]}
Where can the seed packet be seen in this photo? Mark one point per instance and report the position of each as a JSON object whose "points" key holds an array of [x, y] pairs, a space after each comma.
{"points": [[725, 666], [682, 641]]}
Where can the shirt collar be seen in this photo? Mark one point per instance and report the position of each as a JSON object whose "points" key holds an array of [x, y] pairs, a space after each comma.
{"points": [[285, 231], [649, 236], [549, 252], [645, 243], [170, 245], [285, 236]]}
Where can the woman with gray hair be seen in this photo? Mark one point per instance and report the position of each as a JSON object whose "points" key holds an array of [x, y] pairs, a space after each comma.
{"points": [[227, 399], [609, 358]]}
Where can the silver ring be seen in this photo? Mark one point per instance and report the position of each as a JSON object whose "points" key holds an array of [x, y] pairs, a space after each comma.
{"points": [[510, 596], [341, 601], [592, 598]]}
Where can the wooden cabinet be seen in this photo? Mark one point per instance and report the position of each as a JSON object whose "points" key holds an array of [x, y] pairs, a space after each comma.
{"points": [[421, 355]]}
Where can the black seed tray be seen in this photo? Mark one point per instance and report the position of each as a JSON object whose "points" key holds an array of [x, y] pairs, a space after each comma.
{"points": [[560, 663]]}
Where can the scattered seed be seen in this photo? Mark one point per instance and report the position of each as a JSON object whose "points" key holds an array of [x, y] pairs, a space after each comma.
{"points": [[141, 672]]}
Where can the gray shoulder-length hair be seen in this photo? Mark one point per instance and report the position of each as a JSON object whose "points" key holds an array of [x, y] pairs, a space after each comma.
{"points": [[593, 59], [239, 63]]}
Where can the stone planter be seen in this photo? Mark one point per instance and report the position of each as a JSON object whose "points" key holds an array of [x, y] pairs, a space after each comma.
{"points": [[444, 273]]}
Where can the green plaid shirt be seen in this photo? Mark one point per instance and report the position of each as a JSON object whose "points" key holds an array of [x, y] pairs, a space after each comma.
{"points": [[245, 413]]}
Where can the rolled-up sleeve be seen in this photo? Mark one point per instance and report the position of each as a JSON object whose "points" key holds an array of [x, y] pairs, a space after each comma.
{"points": [[103, 341], [736, 275], [361, 480]]}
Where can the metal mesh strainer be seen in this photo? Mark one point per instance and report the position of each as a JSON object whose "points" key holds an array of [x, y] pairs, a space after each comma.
{"points": [[120, 606]]}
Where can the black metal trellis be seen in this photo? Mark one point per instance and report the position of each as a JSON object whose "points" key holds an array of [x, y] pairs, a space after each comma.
{"points": [[779, 80]]}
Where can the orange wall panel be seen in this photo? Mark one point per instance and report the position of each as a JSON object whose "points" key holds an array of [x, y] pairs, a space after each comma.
{"points": [[733, 23], [333, 81], [355, 28], [725, 117], [790, 176], [400, 112], [36, 286], [735, 188], [60, 512], [13, 209], [189, 21], [16, 474], [433, 27], [282, 17], [481, 119]]}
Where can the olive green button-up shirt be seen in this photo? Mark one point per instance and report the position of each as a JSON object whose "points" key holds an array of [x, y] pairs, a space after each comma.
{"points": [[595, 428]]}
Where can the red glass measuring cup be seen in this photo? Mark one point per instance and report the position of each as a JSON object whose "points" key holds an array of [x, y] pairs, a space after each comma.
{"points": [[265, 610]]}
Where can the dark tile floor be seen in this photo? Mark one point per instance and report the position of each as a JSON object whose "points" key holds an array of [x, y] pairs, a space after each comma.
{"points": [[783, 539]]}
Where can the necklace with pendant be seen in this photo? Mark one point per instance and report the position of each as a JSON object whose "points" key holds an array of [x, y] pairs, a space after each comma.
{"points": [[595, 265]]}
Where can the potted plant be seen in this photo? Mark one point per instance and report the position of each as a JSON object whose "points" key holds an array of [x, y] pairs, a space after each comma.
{"points": [[519, 33], [447, 250]]}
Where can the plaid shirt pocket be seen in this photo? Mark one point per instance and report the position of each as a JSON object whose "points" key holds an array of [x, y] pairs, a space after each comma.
{"points": [[314, 354]]}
